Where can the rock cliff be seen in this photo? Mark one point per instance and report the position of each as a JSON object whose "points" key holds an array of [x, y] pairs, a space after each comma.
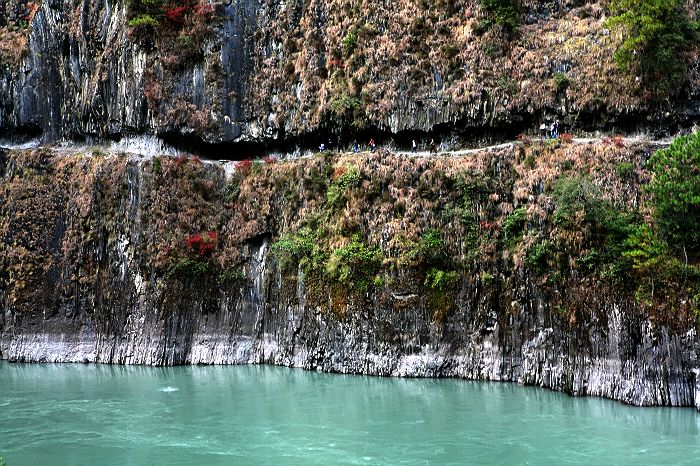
{"points": [[379, 264], [249, 70]]}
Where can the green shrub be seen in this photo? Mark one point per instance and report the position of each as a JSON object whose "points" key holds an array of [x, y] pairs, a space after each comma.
{"points": [[575, 195], [143, 20], [486, 277], [580, 206], [231, 275], [656, 32], [490, 49], [355, 264], [349, 43], [335, 195], [294, 245], [504, 13], [624, 170], [644, 249], [430, 250], [529, 161], [157, 170], [345, 105], [539, 255], [185, 41], [561, 81], [507, 85], [188, 267], [302, 248], [480, 27], [514, 224], [613, 234], [350, 179], [676, 189], [346, 178], [440, 294], [441, 280], [144, 13]]}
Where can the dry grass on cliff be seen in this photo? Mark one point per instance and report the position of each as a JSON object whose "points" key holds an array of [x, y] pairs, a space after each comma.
{"points": [[15, 32], [72, 213], [12, 46], [431, 53]]}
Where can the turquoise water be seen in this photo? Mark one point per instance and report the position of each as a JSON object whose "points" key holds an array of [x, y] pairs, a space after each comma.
{"points": [[112, 415]]}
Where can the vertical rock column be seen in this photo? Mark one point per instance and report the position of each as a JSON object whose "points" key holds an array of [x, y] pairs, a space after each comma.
{"points": [[236, 50]]}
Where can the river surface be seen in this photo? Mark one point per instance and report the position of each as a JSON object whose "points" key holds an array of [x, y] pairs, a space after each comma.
{"points": [[211, 415]]}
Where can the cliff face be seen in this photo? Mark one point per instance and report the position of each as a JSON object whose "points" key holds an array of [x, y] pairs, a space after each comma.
{"points": [[84, 72], [263, 71], [374, 264]]}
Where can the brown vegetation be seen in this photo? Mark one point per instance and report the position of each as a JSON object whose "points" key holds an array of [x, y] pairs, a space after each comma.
{"points": [[439, 224]]}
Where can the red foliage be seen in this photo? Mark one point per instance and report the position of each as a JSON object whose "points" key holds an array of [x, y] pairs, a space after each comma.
{"points": [[567, 137], [485, 224], [176, 14], [270, 159], [338, 172], [244, 166], [196, 159], [203, 243], [203, 9]]}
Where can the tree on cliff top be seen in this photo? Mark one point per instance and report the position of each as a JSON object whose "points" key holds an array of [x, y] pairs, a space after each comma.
{"points": [[656, 34]]}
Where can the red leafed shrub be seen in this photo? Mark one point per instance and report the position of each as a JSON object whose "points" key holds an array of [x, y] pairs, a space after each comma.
{"points": [[176, 14], [244, 166], [567, 137], [270, 159], [338, 172], [196, 159], [194, 240], [203, 9], [618, 141], [203, 243]]}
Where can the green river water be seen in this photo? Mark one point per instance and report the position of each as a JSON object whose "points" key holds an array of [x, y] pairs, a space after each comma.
{"points": [[212, 415]]}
